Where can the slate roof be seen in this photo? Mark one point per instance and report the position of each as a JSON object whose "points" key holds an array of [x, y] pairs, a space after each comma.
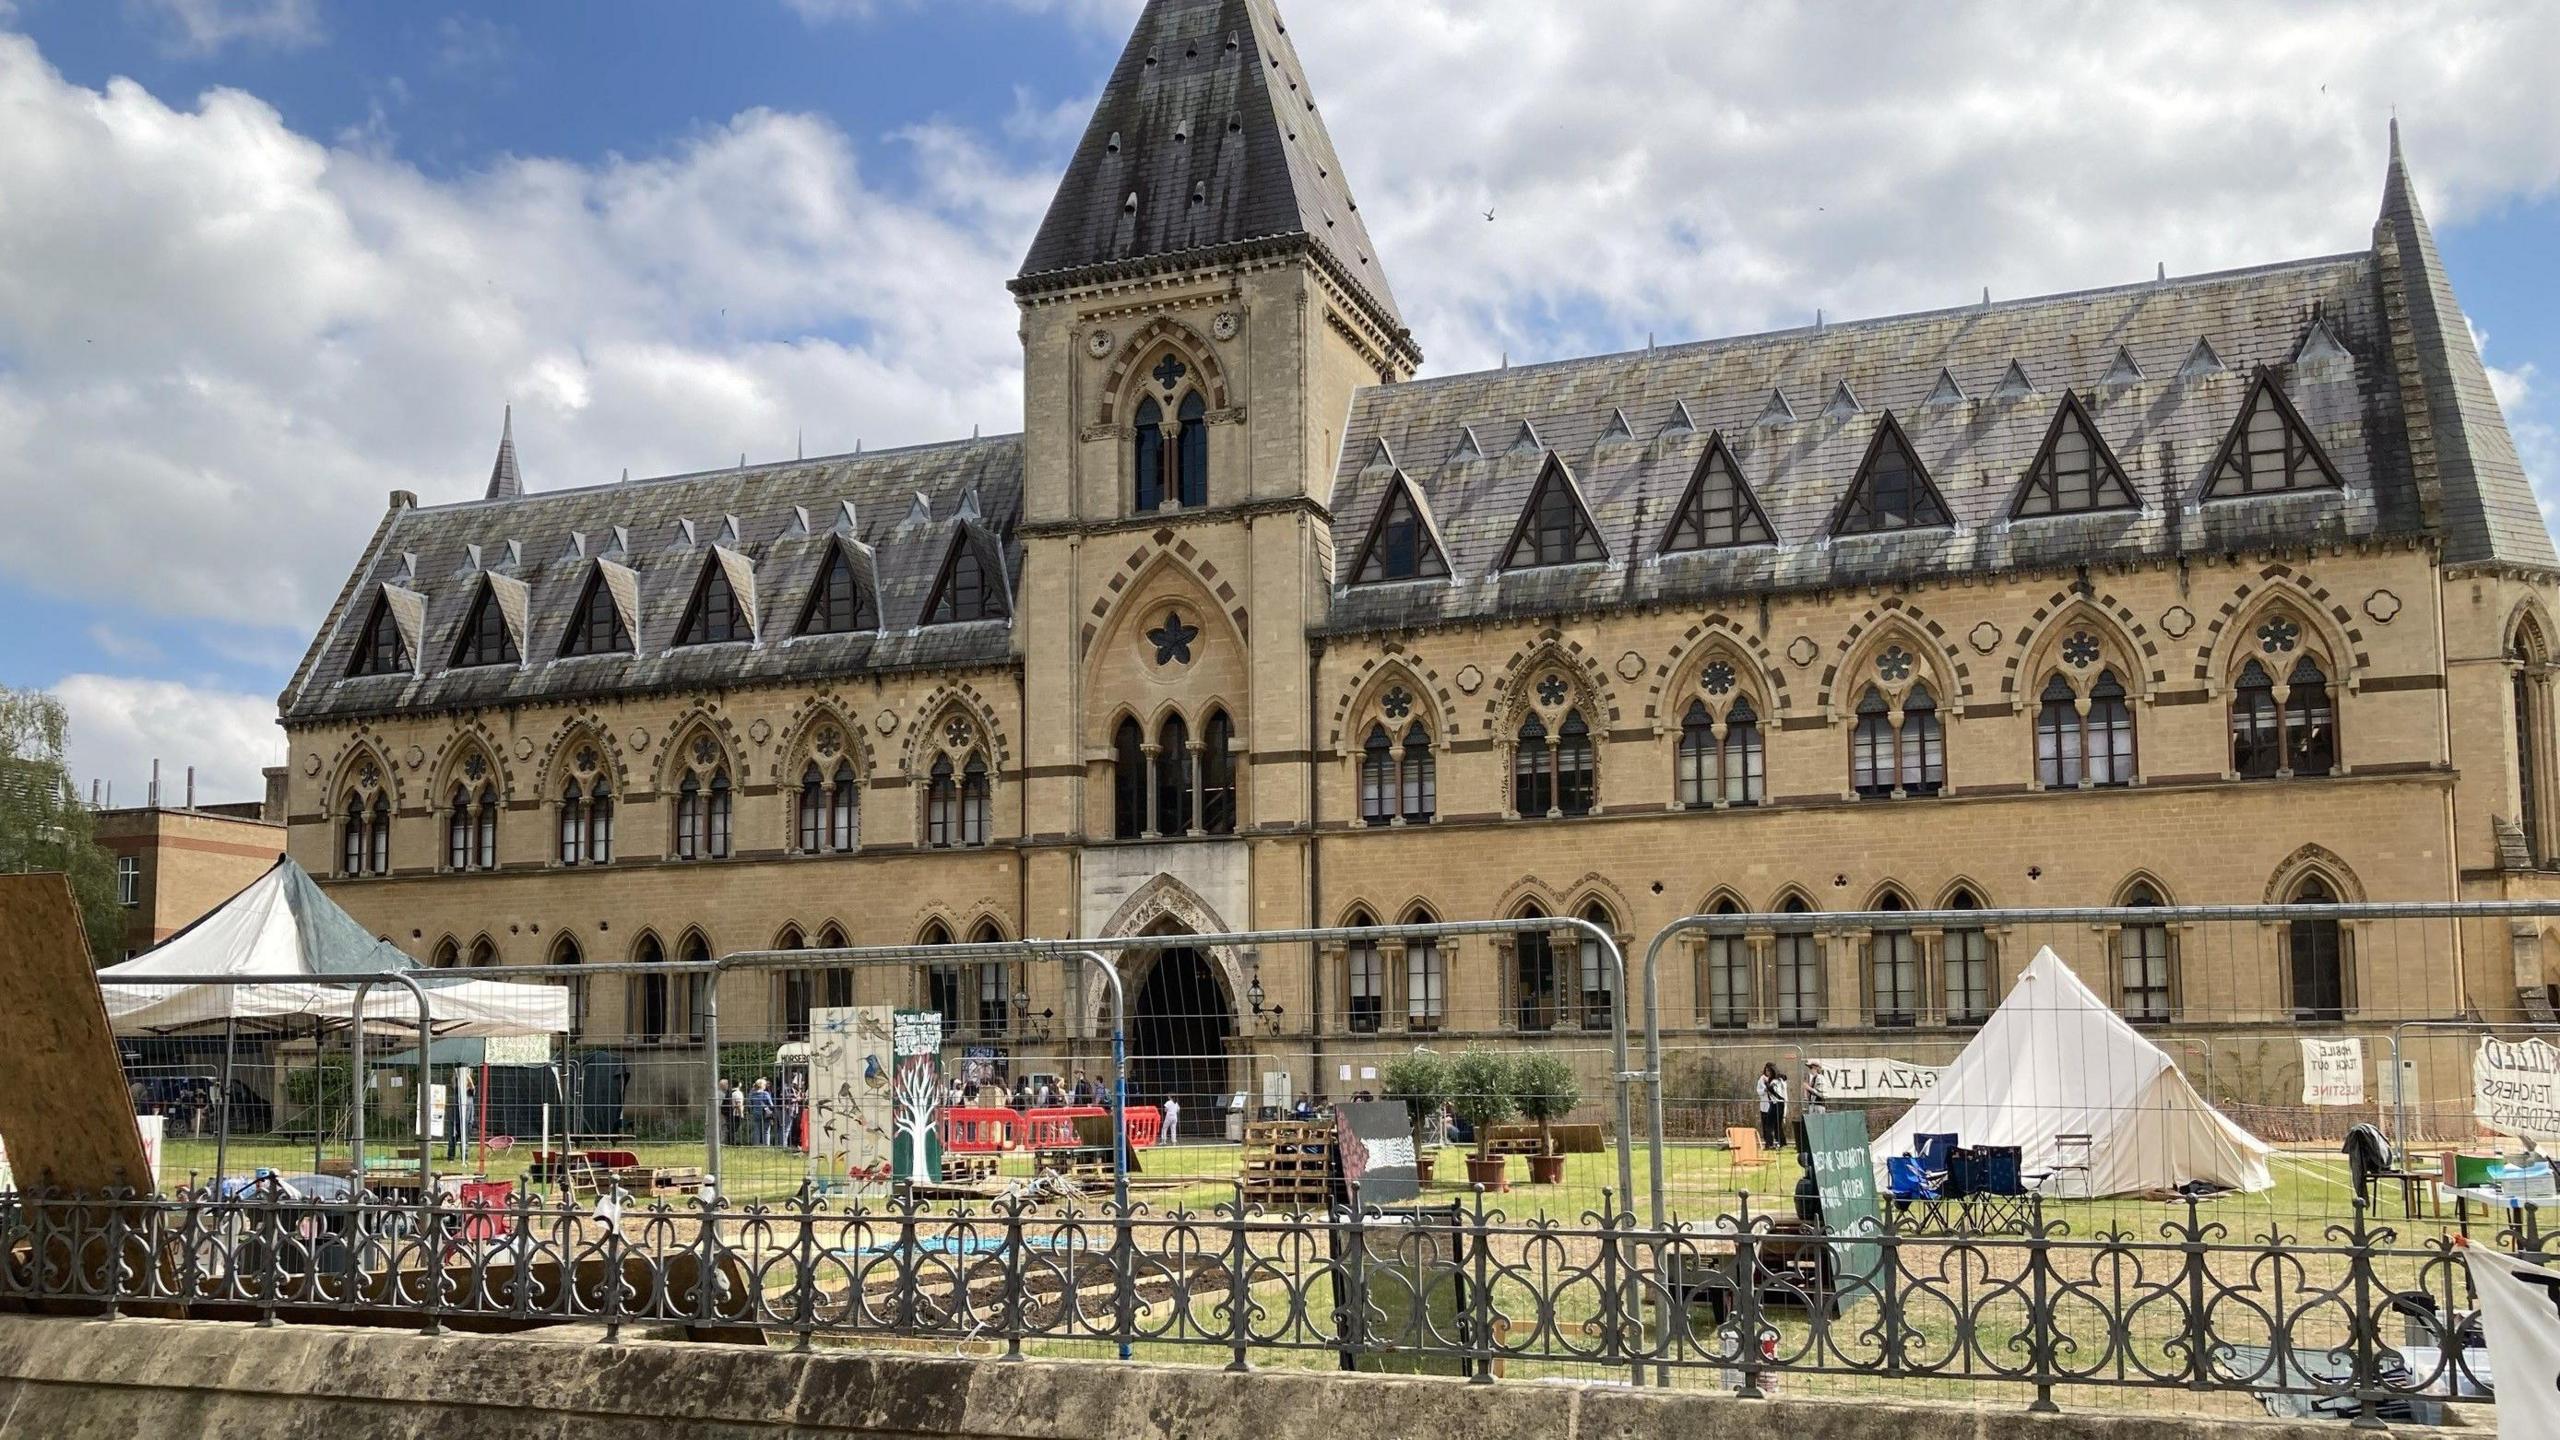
{"points": [[1206, 136], [2164, 428], [906, 508]]}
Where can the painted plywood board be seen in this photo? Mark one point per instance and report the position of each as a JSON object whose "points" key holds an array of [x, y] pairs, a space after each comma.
{"points": [[64, 1111]]}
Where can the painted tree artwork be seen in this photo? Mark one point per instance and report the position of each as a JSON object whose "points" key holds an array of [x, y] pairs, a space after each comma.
{"points": [[916, 1152], [851, 1057]]}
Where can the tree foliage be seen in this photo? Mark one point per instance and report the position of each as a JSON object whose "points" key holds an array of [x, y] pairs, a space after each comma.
{"points": [[1421, 1081], [1549, 1091], [1484, 1090], [43, 825]]}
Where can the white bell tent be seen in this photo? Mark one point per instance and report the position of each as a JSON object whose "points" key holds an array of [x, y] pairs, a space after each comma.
{"points": [[2054, 1060]]}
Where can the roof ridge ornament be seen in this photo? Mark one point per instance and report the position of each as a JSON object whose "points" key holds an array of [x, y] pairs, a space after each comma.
{"points": [[506, 482]]}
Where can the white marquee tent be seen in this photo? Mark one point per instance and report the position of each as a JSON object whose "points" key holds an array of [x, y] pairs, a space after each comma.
{"points": [[2054, 1060]]}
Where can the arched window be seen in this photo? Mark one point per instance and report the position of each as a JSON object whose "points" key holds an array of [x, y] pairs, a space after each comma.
{"points": [[689, 819], [600, 822], [485, 847], [1577, 769], [1149, 456], [457, 830], [2145, 975], [1726, 768], [813, 810], [1701, 782], [647, 1021], [1377, 778], [377, 856], [447, 956], [997, 985], [697, 951], [2531, 704], [942, 808], [839, 981], [1364, 980], [1598, 995], [2282, 729], [1419, 778], [973, 801], [2310, 720], [572, 824], [471, 827], [351, 855], [1192, 453], [1218, 775], [797, 987], [1893, 970], [1174, 815], [1797, 972], [1889, 761], [1129, 781], [1533, 976], [2059, 737], [2317, 970], [565, 952], [483, 954], [1426, 982], [1398, 782], [844, 809], [703, 801], [1724, 985], [944, 985], [1533, 791], [1971, 966], [717, 840], [1558, 778]]}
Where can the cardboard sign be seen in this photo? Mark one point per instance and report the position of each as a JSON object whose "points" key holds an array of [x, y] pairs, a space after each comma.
{"points": [[2515, 1088], [915, 1147], [2333, 1072], [1376, 1146], [1845, 1175], [64, 1110], [1873, 1079], [850, 1064]]}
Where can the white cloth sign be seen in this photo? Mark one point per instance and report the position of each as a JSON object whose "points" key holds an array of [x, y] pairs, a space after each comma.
{"points": [[2520, 1318], [2333, 1072], [1872, 1079], [2515, 1088]]}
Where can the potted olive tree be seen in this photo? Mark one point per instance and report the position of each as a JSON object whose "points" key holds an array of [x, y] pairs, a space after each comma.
{"points": [[1484, 1091], [1421, 1081], [1548, 1091]]}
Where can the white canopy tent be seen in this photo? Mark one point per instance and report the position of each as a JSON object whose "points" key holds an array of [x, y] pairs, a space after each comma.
{"points": [[2054, 1060]]}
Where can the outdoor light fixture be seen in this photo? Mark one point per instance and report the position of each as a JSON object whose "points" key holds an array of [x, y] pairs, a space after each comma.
{"points": [[1253, 994]]}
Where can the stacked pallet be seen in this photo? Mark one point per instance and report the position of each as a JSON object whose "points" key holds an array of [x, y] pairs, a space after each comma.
{"points": [[1289, 1164]]}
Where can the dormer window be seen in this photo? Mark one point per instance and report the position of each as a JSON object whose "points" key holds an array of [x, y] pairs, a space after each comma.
{"points": [[2074, 473], [1400, 545], [965, 590], [2268, 451], [1556, 528], [1893, 490], [485, 638], [380, 651], [713, 616], [1718, 510], [839, 604], [596, 627]]}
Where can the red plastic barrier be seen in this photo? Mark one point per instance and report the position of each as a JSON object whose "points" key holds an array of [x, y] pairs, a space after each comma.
{"points": [[980, 1131], [1146, 1126], [1055, 1129]]}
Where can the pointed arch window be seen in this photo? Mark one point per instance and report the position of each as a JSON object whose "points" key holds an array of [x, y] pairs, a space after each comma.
{"points": [[595, 627], [1174, 761], [2318, 971], [2144, 967], [586, 822], [1400, 545], [813, 810], [380, 650], [839, 604], [1364, 980], [1149, 457], [351, 852], [2268, 451], [1596, 998], [1533, 978], [689, 1018], [798, 988], [1426, 1000], [1129, 781], [1719, 510], [1191, 452], [2077, 746], [1553, 777], [567, 955], [377, 852], [1399, 780], [2075, 472], [447, 956], [1724, 982], [956, 803], [1377, 778], [1893, 971], [365, 839], [1971, 966], [1889, 760], [648, 1019], [485, 638], [471, 826], [838, 980], [945, 986], [1796, 971], [703, 813], [1555, 529], [1721, 764], [1218, 775], [483, 954], [2283, 730], [713, 616], [2530, 701], [844, 809], [1892, 490]]}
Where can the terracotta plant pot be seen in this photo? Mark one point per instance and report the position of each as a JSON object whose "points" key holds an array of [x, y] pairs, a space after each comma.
{"points": [[1422, 1166], [1493, 1174], [1546, 1169]]}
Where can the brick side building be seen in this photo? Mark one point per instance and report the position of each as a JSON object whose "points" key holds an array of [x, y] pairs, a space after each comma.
{"points": [[175, 864]]}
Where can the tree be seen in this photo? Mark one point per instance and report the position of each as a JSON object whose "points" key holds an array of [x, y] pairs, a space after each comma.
{"points": [[1421, 1081], [1549, 1090], [43, 825], [1484, 1090]]}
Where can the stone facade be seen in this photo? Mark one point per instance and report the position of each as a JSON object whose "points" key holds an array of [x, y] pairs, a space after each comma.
{"points": [[174, 865], [1168, 727]]}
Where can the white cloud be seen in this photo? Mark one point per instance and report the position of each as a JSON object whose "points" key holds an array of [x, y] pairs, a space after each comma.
{"points": [[116, 644], [120, 725], [204, 27]]}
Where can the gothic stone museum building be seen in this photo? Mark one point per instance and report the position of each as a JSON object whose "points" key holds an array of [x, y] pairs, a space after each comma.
{"points": [[2222, 588]]}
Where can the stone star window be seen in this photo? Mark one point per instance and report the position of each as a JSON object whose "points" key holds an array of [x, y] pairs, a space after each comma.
{"points": [[2080, 651], [1399, 703], [1169, 372], [2279, 636], [1895, 664], [1173, 639], [1552, 690]]}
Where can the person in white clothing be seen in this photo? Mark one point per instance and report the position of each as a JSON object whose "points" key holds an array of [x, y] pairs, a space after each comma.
{"points": [[1773, 1107], [1172, 1120]]}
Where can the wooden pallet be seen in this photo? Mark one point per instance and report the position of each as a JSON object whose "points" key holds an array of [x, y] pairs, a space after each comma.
{"points": [[969, 1169], [1289, 1164]]}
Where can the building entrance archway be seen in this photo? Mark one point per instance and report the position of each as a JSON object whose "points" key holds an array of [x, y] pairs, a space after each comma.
{"points": [[1182, 1038]]}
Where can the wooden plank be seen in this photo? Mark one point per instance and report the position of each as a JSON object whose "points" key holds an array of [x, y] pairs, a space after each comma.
{"points": [[64, 1111]]}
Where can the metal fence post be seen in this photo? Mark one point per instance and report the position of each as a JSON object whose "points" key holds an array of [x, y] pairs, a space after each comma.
{"points": [[1239, 1288]]}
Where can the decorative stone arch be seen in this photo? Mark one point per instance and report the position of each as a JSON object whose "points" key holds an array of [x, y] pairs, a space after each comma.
{"points": [[1165, 549], [2159, 889], [1876, 896], [1722, 895], [480, 942], [684, 754], [2528, 623], [648, 935], [1356, 704], [564, 938], [790, 937], [932, 735], [1127, 368], [2123, 638], [1937, 659], [930, 915], [1526, 892], [2314, 861], [445, 954], [1595, 887], [1161, 902], [1350, 914], [1417, 911], [361, 755], [1793, 891], [804, 729], [1966, 884], [560, 757], [1510, 695], [1713, 636], [2236, 623], [452, 766]]}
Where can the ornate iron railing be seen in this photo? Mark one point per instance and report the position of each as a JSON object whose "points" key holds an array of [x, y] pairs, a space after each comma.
{"points": [[2326, 1320]]}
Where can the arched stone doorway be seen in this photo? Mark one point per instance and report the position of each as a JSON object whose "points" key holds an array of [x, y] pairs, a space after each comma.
{"points": [[1182, 1037]]}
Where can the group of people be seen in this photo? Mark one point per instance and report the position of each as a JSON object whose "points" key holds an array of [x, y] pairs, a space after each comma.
{"points": [[1773, 1094], [760, 1115], [1045, 1093]]}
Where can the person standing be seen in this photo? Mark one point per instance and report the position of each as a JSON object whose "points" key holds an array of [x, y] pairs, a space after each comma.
{"points": [[1172, 1121], [733, 1107], [1773, 1107], [458, 1133], [760, 1112]]}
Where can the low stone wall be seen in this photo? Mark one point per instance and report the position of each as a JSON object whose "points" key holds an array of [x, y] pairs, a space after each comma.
{"points": [[64, 1377]]}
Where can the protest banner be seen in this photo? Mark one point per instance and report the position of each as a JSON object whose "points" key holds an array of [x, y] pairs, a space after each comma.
{"points": [[2515, 1088], [2333, 1072], [1874, 1079]]}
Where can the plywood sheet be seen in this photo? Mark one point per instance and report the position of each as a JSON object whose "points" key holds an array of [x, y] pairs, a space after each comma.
{"points": [[64, 1111]]}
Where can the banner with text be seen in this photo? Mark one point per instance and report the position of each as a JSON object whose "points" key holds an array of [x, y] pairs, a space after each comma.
{"points": [[2333, 1072], [2515, 1088], [1872, 1079], [2520, 1318]]}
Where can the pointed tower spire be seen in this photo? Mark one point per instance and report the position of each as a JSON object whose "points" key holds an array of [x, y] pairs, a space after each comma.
{"points": [[2478, 494], [1206, 137], [504, 481]]}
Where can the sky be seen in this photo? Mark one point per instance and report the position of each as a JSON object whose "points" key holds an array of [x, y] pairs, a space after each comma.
{"points": [[264, 261]]}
